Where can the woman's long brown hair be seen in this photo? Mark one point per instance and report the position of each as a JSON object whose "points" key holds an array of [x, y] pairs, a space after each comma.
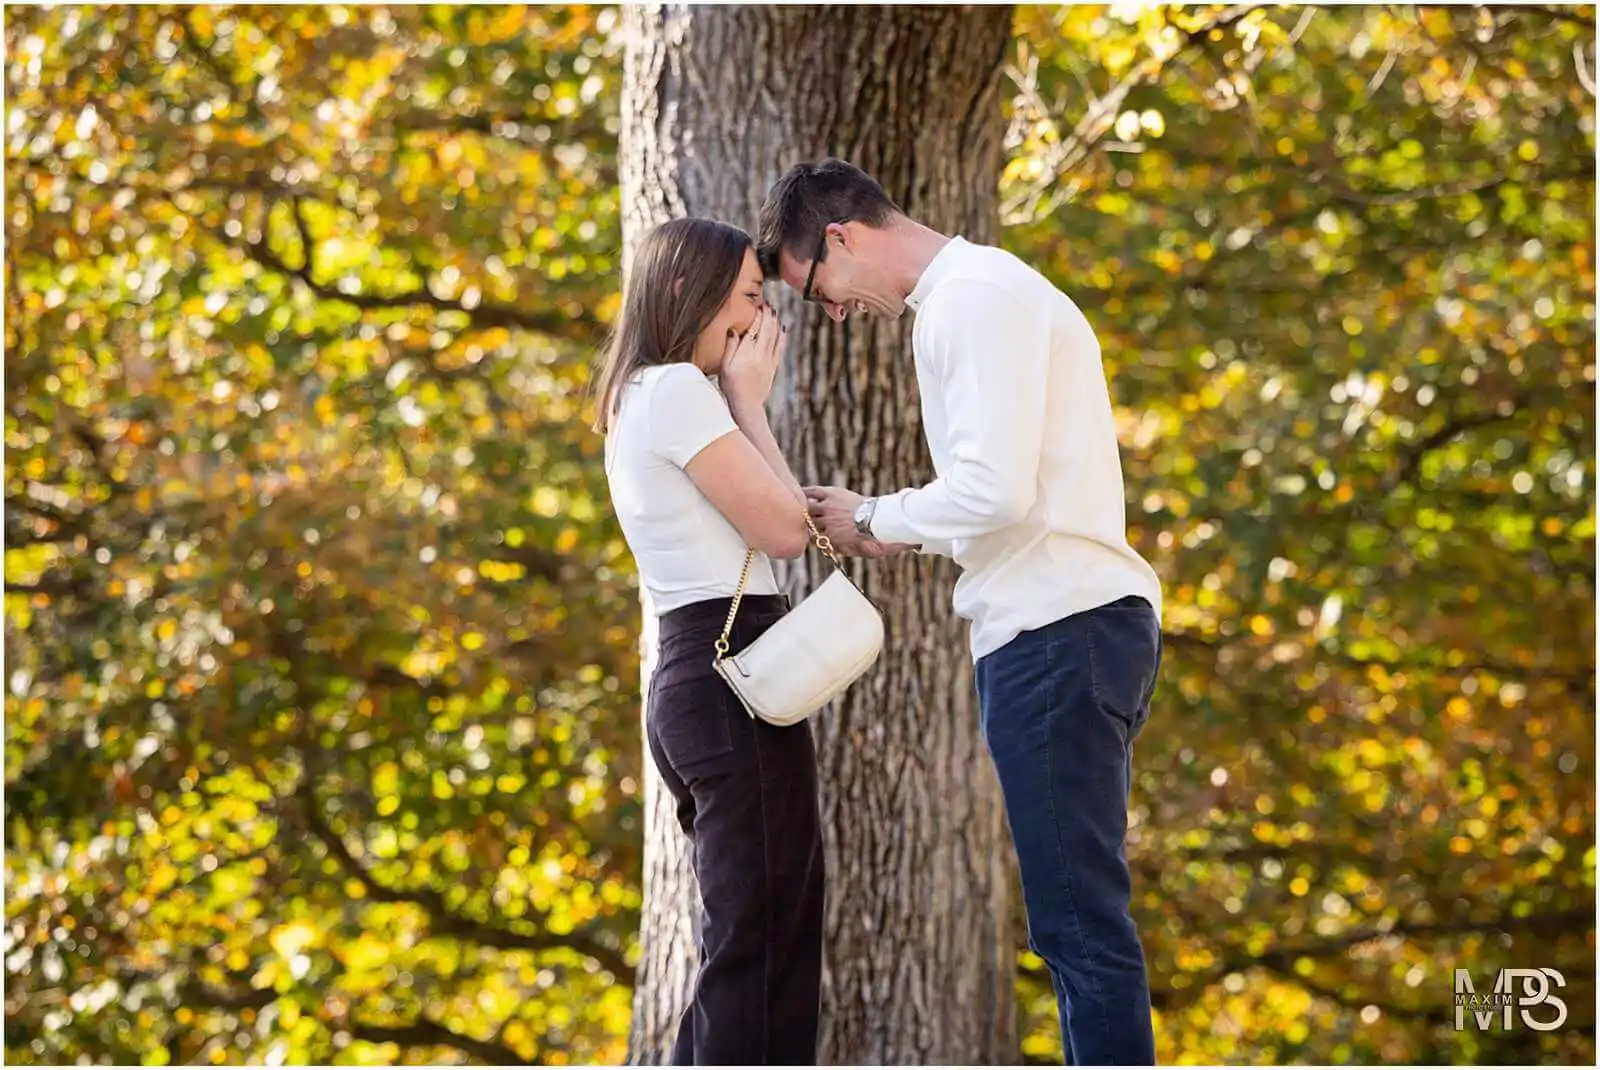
{"points": [[681, 274]]}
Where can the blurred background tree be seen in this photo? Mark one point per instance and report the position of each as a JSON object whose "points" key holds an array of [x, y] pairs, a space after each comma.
{"points": [[321, 720]]}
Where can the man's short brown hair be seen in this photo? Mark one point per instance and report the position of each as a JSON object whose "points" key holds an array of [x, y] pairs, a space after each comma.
{"points": [[809, 196]]}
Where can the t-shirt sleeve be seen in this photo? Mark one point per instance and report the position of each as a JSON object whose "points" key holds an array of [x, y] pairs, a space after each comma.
{"points": [[687, 414]]}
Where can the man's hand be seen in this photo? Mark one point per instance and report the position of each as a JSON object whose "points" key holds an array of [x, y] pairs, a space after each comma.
{"points": [[834, 511], [874, 548], [856, 546]]}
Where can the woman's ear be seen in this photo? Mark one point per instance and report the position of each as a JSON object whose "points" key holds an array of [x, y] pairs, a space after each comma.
{"points": [[677, 288]]}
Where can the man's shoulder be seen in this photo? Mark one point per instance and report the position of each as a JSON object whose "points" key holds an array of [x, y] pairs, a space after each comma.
{"points": [[994, 266], [988, 272], [977, 256]]}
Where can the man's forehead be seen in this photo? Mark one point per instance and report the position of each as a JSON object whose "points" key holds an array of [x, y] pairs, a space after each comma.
{"points": [[792, 270]]}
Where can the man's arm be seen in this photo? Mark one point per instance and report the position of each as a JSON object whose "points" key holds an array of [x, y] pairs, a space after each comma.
{"points": [[833, 509], [991, 355]]}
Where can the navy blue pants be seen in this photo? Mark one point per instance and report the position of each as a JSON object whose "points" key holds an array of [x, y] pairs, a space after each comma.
{"points": [[1062, 706], [746, 794]]}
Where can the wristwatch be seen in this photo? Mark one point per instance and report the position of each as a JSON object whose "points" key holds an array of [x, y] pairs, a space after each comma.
{"points": [[863, 517]]}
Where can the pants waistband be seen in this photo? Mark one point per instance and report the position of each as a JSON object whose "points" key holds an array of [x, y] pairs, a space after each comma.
{"points": [[715, 610]]}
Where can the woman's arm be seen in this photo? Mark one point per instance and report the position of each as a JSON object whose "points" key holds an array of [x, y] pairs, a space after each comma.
{"points": [[736, 478], [745, 474], [751, 416]]}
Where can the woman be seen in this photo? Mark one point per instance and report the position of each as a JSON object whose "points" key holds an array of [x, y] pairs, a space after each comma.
{"points": [[696, 478]]}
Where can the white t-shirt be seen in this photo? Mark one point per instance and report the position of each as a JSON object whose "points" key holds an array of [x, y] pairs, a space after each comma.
{"points": [[686, 550]]}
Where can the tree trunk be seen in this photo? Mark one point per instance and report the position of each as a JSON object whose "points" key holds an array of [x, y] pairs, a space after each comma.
{"points": [[717, 102]]}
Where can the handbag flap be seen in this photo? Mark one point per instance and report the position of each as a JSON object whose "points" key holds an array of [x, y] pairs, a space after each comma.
{"points": [[816, 650]]}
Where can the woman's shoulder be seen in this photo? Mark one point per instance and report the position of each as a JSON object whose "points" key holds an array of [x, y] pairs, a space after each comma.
{"points": [[682, 371], [652, 377], [679, 383], [672, 390]]}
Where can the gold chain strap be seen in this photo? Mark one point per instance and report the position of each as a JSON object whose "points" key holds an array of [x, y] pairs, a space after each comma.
{"points": [[733, 610], [823, 543]]}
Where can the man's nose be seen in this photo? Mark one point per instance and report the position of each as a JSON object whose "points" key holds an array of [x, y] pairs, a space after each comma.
{"points": [[836, 313]]}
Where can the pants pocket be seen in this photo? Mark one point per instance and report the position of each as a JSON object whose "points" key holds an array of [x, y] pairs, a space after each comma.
{"points": [[691, 721], [1124, 653]]}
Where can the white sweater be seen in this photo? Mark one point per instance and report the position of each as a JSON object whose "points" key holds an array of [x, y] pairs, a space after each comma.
{"points": [[1028, 497]]}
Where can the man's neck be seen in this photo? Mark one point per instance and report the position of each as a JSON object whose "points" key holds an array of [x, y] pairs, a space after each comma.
{"points": [[916, 246]]}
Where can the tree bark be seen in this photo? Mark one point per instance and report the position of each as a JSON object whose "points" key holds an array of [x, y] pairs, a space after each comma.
{"points": [[717, 103]]}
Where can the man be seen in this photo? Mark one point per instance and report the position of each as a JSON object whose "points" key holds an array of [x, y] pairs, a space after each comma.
{"points": [[1029, 502]]}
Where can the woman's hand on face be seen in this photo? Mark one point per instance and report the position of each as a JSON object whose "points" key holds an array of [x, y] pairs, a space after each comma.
{"points": [[751, 362]]}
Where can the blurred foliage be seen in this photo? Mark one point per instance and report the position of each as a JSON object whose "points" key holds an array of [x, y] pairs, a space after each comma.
{"points": [[319, 728], [321, 722], [1342, 266]]}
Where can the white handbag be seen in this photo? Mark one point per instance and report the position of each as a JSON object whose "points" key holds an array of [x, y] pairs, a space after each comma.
{"points": [[809, 657]]}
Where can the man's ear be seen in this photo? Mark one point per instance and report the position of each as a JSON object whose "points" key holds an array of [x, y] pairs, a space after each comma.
{"points": [[841, 235]]}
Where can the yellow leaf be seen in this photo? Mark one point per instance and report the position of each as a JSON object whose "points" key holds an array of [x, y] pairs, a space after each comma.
{"points": [[267, 976], [367, 953], [291, 939], [516, 1035]]}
